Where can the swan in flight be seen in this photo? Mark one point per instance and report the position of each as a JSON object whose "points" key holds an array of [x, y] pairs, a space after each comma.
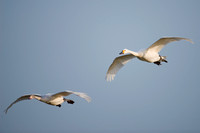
{"points": [[55, 99], [149, 55]]}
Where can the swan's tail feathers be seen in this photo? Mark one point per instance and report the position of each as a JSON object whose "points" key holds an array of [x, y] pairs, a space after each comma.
{"points": [[163, 59]]}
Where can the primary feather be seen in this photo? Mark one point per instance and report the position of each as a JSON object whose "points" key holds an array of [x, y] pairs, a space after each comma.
{"points": [[117, 64]]}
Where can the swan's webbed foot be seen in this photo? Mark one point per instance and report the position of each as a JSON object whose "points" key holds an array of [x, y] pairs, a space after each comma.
{"points": [[59, 105], [157, 63], [70, 101]]}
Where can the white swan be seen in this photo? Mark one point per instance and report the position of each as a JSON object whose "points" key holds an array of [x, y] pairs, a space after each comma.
{"points": [[149, 55], [55, 99]]}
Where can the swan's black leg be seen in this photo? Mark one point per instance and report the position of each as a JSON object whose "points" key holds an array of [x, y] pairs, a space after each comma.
{"points": [[165, 61], [59, 105]]}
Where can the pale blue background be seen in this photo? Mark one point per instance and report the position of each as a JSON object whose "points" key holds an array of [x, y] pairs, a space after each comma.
{"points": [[47, 46]]}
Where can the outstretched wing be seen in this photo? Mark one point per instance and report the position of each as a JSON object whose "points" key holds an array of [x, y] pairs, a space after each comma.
{"points": [[117, 64], [66, 93], [25, 97], [158, 45]]}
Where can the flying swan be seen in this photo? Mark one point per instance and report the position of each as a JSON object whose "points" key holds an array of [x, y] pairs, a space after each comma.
{"points": [[149, 55], [54, 99]]}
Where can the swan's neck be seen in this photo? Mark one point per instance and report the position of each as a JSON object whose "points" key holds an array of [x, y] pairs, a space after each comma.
{"points": [[133, 53], [36, 97]]}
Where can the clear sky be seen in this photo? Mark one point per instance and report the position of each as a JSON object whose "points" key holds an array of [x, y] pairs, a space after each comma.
{"points": [[47, 46]]}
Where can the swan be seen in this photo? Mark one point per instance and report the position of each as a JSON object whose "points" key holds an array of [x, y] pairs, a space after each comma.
{"points": [[148, 55], [51, 99]]}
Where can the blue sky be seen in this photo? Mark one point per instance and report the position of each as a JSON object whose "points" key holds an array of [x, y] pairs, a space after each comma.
{"points": [[49, 46]]}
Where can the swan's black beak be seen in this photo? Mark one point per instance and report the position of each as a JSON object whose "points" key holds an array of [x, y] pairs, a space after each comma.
{"points": [[121, 52]]}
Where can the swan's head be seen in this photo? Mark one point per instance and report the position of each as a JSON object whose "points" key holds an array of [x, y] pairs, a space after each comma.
{"points": [[124, 51]]}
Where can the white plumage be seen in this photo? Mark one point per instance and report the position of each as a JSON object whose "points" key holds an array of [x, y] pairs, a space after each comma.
{"points": [[52, 99], [149, 55]]}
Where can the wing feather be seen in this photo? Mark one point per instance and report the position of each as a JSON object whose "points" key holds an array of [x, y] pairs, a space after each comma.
{"points": [[117, 64], [158, 45], [25, 97], [66, 93]]}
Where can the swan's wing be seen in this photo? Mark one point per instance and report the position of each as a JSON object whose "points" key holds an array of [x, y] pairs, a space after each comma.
{"points": [[66, 93], [118, 63], [158, 45], [25, 97]]}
